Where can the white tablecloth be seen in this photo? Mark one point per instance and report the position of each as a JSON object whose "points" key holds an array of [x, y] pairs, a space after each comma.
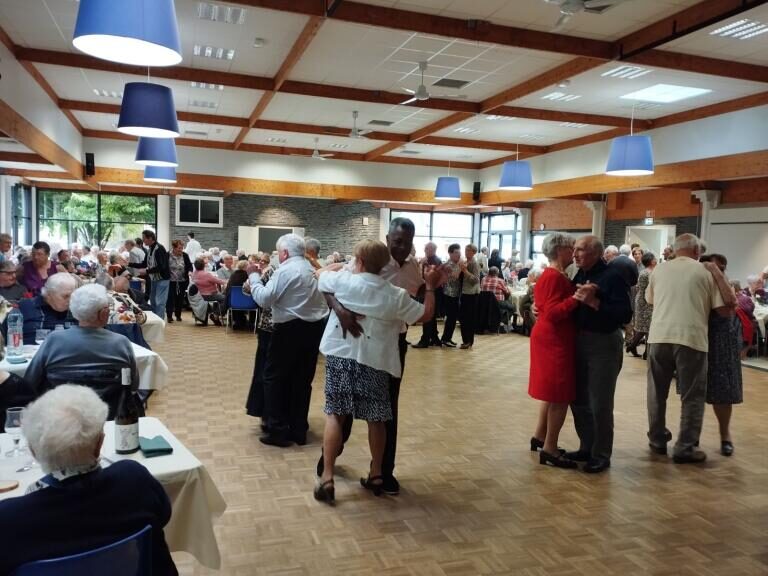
{"points": [[153, 371], [153, 329], [515, 296], [195, 499], [761, 313]]}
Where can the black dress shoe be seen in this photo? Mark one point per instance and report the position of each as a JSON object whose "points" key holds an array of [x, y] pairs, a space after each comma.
{"points": [[449, 343], [558, 461], [692, 456], [596, 465], [660, 450], [390, 486], [536, 444], [275, 440], [437, 343], [578, 456], [726, 448], [420, 344]]}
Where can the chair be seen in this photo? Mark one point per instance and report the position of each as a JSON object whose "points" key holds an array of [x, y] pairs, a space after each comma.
{"points": [[488, 314], [238, 301], [131, 556], [137, 285]]}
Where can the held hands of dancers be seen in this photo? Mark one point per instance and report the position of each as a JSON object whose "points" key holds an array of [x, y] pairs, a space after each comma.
{"points": [[587, 295]]}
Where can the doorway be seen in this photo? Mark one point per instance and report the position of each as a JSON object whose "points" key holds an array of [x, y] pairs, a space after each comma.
{"points": [[651, 238]]}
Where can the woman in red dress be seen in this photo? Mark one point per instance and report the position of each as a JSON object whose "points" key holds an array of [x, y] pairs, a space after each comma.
{"points": [[553, 349]]}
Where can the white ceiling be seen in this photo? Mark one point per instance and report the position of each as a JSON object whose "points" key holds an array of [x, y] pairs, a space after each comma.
{"points": [[446, 153], [325, 141]]}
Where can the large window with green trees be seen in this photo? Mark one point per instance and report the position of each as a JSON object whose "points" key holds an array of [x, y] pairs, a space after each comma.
{"points": [[93, 219]]}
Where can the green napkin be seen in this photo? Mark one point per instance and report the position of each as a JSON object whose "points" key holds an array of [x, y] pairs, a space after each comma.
{"points": [[157, 446]]}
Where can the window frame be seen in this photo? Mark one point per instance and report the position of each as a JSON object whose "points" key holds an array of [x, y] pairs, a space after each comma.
{"points": [[177, 216], [431, 236]]}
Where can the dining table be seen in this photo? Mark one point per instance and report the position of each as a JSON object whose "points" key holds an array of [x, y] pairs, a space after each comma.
{"points": [[153, 329], [153, 371], [761, 314], [195, 499]]}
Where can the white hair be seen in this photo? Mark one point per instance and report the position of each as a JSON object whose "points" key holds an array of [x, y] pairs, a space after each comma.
{"points": [[687, 242], [59, 282], [611, 249], [87, 301], [64, 426], [215, 250], [753, 279], [293, 243], [554, 241], [240, 252], [529, 263], [625, 249], [224, 253]]}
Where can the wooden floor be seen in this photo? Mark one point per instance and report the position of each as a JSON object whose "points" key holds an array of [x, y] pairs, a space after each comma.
{"points": [[474, 500]]}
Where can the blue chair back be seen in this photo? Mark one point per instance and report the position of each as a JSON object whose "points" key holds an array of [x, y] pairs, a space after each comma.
{"points": [[136, 285], [131, 331], [131, 556], [240, 301]]}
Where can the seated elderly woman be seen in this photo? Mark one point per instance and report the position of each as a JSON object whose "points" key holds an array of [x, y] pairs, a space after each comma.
{"points": [[78, 505], [117, 264], [755, 289], [50, 308], [86, 353], [10, 289], [208, 285], [123, 310]]}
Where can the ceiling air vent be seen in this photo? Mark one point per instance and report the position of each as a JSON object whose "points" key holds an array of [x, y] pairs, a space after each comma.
{"points": [[412, 152], [380, 123], [451, 83], [198, 133]]}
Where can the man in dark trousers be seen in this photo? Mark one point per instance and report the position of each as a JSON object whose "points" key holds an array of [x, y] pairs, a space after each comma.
{"points": [[403, 272], [599, 352], [429, 334], [158, 271]]}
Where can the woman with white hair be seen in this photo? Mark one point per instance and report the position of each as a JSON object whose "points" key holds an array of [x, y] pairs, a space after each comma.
{"points": [[553, 349], [78, 505], [51, 308]]}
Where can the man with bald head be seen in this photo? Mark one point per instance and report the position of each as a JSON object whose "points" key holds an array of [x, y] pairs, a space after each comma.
{"points": [[599, 352]]}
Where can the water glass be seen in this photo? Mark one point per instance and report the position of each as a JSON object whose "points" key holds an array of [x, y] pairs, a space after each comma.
{"points": [[41, 335], [13, 428]]}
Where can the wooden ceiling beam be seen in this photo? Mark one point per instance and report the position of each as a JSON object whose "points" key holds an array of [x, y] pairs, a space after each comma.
{"points": [[701, 65], [681, 24], [105, 108], [308, 33], [25, 157], [36, 174]]}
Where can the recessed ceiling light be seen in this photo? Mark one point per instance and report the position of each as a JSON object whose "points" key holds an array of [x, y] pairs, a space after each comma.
{"points": [[213, 52], [646, 105], [203, 104], [564, 83], [217, 13], [665, 93], [573, 125], [277, 140], [340, 146], [498, 117], [561, 97], [628, 72], [466, 130], [196, 133], [259, 42], [108, 93], [205, 86], [742, 29]]}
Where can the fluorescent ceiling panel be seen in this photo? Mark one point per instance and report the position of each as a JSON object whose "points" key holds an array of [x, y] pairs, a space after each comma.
{"points": [[665, 93]]}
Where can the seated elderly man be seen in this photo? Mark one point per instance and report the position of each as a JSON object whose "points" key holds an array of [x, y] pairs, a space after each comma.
{"points": [[122, 285], [78, 505], [10, 289], [50, 308], [86, 353], [227, 267], [123, 310]]}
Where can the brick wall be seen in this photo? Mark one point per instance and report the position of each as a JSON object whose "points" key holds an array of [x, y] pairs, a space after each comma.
{"points": [[616, 233], [338, 226], [561, 215]]}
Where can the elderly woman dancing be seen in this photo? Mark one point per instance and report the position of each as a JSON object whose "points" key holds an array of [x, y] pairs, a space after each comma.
{"points": [[553, 349]]}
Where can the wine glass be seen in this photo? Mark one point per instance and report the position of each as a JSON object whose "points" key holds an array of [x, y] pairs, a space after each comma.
{"points": [[41, 335], [13, 428]]}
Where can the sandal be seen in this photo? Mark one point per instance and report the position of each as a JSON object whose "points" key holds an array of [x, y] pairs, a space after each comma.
{"points": [[325, 492], [558, 461], [373, 483]]}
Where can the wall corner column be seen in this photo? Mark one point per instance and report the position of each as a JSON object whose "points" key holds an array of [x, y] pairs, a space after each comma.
{"points": [[710, 199], [598, 217], [525, 233], [164, 220], [384, 217]]}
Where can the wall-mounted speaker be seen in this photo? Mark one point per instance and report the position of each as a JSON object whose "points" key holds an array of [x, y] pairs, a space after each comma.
{"points": [[90, 164], [476, 191]]}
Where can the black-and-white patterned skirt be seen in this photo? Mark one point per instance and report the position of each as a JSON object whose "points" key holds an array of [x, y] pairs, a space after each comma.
{"points": [[353, 388]]}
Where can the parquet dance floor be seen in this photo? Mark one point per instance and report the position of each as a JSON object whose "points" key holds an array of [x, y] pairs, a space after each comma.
{"points": [[475, 500]]}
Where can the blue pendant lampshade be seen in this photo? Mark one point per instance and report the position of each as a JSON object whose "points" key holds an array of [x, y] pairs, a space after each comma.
{"points": [[148, 110], [162, 174], [447, 188], [516, 175], [630, 156], [137, 32], [157, 152]]}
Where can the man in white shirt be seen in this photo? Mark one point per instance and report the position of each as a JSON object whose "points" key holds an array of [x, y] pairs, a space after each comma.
{"points": [[193, 247], [299, 313], [402, 271], [683, 293]]}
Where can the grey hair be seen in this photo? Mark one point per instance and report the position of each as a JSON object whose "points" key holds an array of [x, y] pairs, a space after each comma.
{"points": [[554, 241], [493, 271], [129, 243], [64, 426], [113, 256], [534, 274], [87, 301], [215, 250], [104, 280], [595, 245], [4, 237], [312, 245], [431, 245], [58, 282], [611, 249], [293, 243], [753, 278], [688, 242], [625, 249]]}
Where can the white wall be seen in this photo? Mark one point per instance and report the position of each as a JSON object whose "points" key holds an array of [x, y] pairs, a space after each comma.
{"points": [[22, 93], [741, 234]]}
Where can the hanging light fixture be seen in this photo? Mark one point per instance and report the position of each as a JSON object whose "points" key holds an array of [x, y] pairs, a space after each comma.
{"points": [[162, 174], [136, 32], [157, 152], [448, 187], [516, 174], [148, 110], [630, 155]]}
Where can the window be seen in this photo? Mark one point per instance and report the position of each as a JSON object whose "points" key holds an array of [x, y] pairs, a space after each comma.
{"points": [[441, 228], [500, 232], [21, 215], [93, 219], [202, 211]]}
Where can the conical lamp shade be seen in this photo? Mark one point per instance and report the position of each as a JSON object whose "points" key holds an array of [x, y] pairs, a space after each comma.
{"points": [[447, 188], [516, 175], [148, 110], [157, 152], [160, 174], [136, 32], [630, 156]]}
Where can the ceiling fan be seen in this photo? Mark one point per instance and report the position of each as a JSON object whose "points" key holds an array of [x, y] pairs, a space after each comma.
{"points": [[356, 132], [421, 93], [315, 153], [570, 7]]}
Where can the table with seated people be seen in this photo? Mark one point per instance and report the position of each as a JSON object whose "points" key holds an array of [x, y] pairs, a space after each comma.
{"points": [[196, 501]]}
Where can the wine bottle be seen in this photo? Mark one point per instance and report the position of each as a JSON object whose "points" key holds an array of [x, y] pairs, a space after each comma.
{"points": [[127, 417]]}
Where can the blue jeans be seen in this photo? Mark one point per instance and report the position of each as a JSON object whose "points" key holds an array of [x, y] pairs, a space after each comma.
{"points": [[158, 296]]}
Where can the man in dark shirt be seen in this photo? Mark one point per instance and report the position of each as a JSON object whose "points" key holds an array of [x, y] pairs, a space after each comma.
{"points": [[10, 289], [429, 334], [599, 352]]}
